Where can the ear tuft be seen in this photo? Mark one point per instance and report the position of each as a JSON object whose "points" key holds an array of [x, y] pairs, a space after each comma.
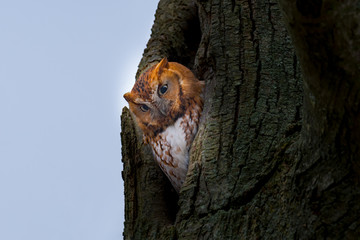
{"points": [[128, 97], [163, 64]]}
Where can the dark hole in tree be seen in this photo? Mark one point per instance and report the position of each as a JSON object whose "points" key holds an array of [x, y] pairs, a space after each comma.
{"points": [[170, 198], [192, 37], [185, 56]]}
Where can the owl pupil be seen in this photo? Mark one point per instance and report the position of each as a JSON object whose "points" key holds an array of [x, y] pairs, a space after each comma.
{"points": [[163, 89], [144, 108]]}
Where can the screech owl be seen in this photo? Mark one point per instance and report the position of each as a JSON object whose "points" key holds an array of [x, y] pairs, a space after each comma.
{"points": [[167, 103]]}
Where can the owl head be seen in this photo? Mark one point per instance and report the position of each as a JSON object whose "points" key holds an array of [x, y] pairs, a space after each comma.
{"points": [[162, 94]]}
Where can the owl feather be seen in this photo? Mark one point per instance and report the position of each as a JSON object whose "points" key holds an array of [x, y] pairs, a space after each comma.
{"points": [[167, 103]]}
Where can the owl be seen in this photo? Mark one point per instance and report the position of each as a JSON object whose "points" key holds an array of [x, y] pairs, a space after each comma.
{"points": [[167, 103]]}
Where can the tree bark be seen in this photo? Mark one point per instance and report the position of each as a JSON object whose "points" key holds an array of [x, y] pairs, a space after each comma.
{"points": [[277, 152], [326, 35]]}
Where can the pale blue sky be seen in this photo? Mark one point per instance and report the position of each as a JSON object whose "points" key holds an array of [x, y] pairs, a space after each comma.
{"points": [[64, 66]]}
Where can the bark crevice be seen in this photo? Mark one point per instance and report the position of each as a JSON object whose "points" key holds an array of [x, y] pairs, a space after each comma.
{"points": [[277, 154]]}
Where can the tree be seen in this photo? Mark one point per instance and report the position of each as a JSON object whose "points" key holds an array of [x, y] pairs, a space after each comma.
{"points": [[277, 154]]}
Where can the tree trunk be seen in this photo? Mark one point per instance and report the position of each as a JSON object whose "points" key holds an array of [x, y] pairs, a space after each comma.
{"points": [[277, 152]]}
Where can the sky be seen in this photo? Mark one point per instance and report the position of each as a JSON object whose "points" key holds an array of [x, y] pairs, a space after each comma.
{"points": [[64, 66]]}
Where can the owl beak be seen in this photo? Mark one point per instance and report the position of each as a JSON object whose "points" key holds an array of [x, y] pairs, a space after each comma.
{"points": [[163, 111]]}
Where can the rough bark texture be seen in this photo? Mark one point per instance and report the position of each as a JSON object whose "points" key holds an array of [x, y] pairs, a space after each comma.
{"points": [[262, 165], [326, 35]]}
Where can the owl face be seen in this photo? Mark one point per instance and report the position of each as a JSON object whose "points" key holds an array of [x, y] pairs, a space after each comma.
{"points": [[167, 103], [161, 95], [156, 97]]}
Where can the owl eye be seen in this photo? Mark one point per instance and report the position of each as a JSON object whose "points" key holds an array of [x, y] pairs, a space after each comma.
{"points": [[144, 108], [163, 89]]}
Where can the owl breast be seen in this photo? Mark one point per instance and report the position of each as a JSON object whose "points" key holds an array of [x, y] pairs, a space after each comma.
{"points": [[167, 101], [171, 147]]}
